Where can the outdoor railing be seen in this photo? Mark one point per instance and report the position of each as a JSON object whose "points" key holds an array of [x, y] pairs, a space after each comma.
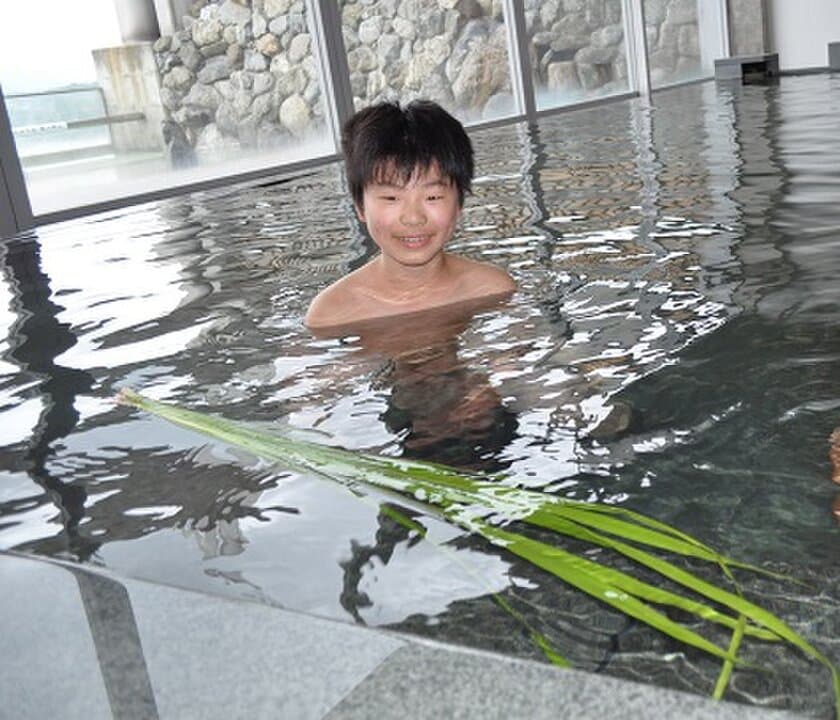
{"points": [[26, 134]]}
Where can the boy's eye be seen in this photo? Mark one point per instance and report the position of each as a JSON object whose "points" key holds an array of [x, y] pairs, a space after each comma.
{"points": [[388, 198], [435, 197]]}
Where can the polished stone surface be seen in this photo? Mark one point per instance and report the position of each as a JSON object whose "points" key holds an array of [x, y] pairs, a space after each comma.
{"points": [[83, 645], [79, 643]]}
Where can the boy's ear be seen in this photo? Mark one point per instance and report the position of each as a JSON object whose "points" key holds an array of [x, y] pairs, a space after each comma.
{"points": [[360, 212]]}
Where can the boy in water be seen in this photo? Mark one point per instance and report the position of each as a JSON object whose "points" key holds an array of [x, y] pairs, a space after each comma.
{"points": [[409, 169]]}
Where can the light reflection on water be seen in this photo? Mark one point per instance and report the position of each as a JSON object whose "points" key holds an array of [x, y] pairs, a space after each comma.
{"points": [[673, 346]]}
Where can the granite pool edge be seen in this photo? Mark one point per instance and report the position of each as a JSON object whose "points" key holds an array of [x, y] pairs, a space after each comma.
{"points": [[115, 646]]}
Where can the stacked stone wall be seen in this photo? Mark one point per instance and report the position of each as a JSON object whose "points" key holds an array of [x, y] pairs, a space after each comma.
{"points": [[242, 72], [673, 39]]}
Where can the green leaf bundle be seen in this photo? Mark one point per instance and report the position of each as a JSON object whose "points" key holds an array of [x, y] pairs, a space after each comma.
{"points": [[486, 505]]}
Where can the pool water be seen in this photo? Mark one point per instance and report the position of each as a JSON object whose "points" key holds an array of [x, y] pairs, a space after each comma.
{"points": [[674, 347]]}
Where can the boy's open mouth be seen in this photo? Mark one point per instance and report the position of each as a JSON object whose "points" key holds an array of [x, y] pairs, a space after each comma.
{"points": [[415, 241]]}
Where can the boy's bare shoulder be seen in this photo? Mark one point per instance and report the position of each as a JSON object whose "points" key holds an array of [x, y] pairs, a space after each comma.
{"points": [[334, 305], [482, 278]]}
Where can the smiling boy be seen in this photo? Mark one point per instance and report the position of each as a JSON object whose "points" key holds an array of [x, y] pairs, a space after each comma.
{"points": [[409, 169]]}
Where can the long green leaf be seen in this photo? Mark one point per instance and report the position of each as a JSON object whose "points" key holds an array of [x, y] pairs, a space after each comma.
{"points": [[598, 581], [726, 670], [542, 642], [469, 500], [663, 567]]}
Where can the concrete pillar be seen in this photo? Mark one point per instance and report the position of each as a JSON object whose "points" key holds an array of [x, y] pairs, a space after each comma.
{"points": [[137, 20], [170, 15], [748, 27], [128, 77]]}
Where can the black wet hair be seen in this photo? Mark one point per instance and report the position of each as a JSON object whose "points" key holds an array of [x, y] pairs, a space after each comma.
{"points": [[387, 142]]}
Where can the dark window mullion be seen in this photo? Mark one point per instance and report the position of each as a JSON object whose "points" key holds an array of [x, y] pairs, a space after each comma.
{"points": [[15, 209]]}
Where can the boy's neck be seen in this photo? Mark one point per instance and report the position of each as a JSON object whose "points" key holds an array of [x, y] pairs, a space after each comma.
{"points": [[396, 282]]}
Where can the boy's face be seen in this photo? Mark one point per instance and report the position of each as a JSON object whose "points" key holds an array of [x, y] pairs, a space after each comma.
{"points": [[411, 221]]}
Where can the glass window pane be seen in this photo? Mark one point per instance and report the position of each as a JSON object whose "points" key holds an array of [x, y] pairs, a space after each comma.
{"points": [[683, 38], [577, 50], [233, 88], [454, 53]]}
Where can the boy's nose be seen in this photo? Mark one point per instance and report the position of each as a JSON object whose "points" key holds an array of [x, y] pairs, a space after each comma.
{"points": [[412, 216]]}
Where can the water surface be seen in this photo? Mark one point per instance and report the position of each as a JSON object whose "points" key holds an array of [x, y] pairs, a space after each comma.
{"points": [[673, 347]]}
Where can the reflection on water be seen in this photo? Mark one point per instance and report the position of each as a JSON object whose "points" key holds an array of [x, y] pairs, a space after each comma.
{"points": [[37, 339], [673, 346]]}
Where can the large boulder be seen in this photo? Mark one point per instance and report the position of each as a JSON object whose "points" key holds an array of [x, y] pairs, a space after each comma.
{"points": [[612, 12], [170, 99], [190, 56], [203, 96], [273, 8], [475, 33], [226, 120], [268, 45], [572, 32], [376, 84], [484, 71], [213, 49], [214, 69], [263, 82], [431, 22], [262, 106], [563, 77], [351, 14], [404, 28], [388, 49], [299, 47], [232, 13], [435, 86], [596, 56], [607, 36], [361, 59], [550, 12], [295, 115], [207, 32], [178, 78], [255, 61], [370, 29], [386, 8], [591, 76], [237, 35], [292, 82], [420, 67]]}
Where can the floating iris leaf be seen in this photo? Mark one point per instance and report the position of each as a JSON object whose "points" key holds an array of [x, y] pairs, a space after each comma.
{"points": [[487, 504]]}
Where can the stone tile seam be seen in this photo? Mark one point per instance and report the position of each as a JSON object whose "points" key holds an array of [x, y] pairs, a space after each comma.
{"points": [[406, 642]]}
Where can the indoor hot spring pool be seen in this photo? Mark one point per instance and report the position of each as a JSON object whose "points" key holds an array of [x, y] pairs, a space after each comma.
{"points": [[673, 349]]}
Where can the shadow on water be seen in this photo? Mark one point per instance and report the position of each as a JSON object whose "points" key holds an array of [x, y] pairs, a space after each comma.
{"points": [[36, 339]]}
